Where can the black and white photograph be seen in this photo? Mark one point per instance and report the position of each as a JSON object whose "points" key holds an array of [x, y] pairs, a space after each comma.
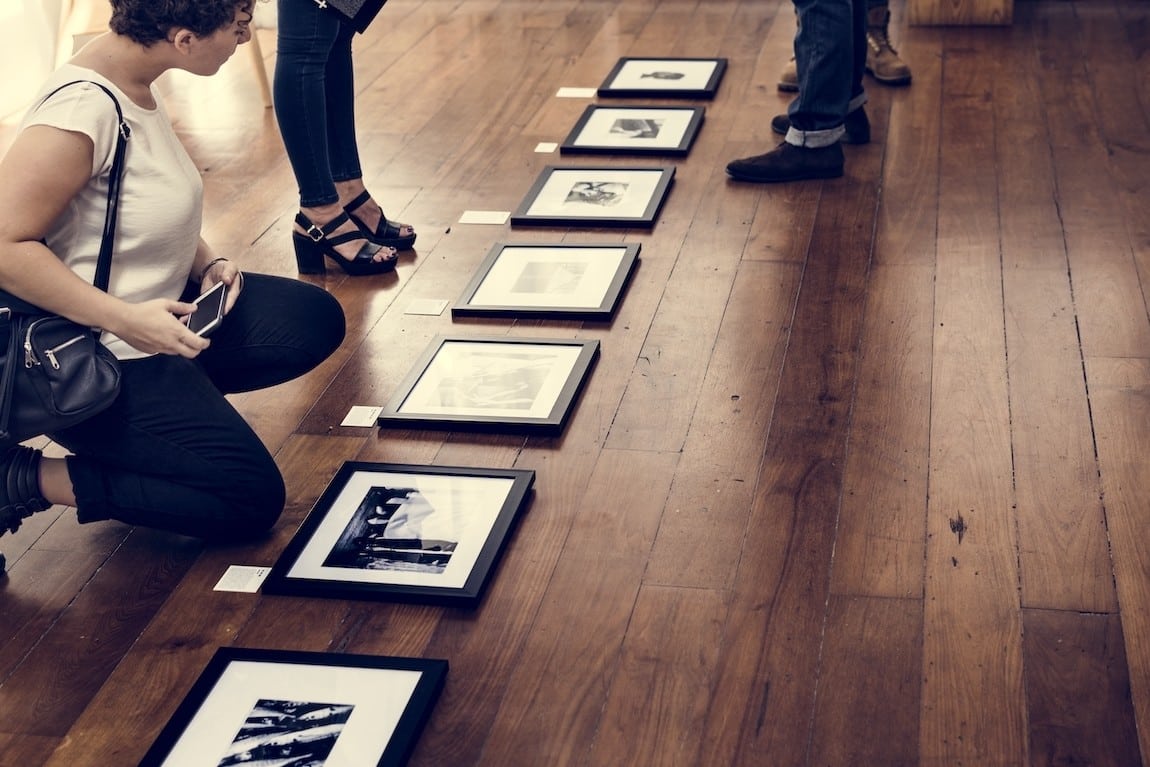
{"points": [[289, 732], [254, 707], [404, 533], [634, 130], [493, 384], [562, 281], [634, 77], [595, 196]]}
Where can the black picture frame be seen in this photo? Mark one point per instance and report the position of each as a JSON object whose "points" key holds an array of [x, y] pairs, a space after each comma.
{"points": [[595, 196], [662, 130], [404, 533], [549, 281], [651, 77], [493, 384], [248, 702]]}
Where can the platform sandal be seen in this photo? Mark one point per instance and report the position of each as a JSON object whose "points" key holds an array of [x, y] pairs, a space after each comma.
{"points": [[387, 233], [315, 242]]}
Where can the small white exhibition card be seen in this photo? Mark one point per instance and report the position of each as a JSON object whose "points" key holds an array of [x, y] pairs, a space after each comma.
{"points": [[242, 578], [575, 93], [497, 217], [361, 415], [427, 306]]}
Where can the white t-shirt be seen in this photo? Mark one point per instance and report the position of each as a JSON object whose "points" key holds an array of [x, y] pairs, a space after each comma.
{"points": [[161, 196]]}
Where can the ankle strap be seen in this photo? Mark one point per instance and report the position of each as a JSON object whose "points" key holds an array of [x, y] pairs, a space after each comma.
{"points": [[317, 232]]}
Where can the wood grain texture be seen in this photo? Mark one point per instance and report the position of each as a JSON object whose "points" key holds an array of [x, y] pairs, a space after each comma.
{"points": [[858, 480]]}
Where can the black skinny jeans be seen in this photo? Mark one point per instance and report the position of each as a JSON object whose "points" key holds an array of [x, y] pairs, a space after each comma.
{"points": [[314, 93], [171, 452]]}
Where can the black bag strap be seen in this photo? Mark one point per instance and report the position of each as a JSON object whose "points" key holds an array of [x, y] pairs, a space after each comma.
{"points": [[123, 133]]}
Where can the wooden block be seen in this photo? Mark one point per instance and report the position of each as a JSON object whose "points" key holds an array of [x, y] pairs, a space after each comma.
{"points": [[960, 12]]}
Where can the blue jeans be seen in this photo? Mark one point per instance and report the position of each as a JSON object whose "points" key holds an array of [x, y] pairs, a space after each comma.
{"points": [[314, 93], [171, 452], [830, 54]]}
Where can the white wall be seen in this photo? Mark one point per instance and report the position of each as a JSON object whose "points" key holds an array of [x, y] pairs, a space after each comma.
{"points": [[28, 32]]}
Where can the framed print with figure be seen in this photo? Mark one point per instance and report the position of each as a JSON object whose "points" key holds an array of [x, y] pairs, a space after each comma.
{"points": [[634, 130], [285, 708], [651, 77], [493, 384], [396, 532], [595, 196], [562, 281]]}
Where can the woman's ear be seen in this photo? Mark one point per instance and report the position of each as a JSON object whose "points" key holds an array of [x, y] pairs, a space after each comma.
{"points": [[182, 39]]}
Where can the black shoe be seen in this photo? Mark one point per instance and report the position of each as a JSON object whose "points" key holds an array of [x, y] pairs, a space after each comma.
{"points": [[388, 232], [318, 241], [788, 162], [857, 127], [20, 495]]}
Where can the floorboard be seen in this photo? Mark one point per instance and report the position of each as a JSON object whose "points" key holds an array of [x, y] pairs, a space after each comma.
{"points": [[858, 478]]}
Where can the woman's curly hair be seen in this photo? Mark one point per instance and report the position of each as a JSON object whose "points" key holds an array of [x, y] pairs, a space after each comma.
{"points": [[149, 21]]}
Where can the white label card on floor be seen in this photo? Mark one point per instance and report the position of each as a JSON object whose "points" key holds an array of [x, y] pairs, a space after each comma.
{"points": [[361, 415], [546, 147], [242, 578], [576, 93], [429, 306], [498, 217]]}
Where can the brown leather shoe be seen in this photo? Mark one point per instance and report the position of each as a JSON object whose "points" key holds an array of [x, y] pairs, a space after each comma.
{"points": [[787, 162]]}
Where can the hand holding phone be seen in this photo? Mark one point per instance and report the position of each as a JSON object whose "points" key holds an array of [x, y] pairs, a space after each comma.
{"points": [[209, 311]]}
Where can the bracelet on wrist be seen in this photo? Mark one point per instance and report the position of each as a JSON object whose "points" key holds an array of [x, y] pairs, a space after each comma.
{"points": [[206, 269]]}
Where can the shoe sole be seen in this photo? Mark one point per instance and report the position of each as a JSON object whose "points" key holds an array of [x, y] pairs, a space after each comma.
{"points": [[788, 88], [888, 80], [816, 176]]}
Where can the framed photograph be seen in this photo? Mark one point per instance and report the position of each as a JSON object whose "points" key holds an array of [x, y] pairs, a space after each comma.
{"points": [[404, 533], [634, 130], [648, 77], [566, 281], [300, 708], [493, 384], [595, 196]]}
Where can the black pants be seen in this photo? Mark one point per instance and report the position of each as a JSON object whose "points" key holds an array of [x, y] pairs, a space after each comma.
{"points": [[171, 452]]}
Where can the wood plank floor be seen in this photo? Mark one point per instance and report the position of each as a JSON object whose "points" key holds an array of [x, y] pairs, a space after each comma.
{"points": [[860, 477]]}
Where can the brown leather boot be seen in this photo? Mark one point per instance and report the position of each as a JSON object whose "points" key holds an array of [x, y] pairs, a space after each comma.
{"points": [[882, 60], [789, 77]]}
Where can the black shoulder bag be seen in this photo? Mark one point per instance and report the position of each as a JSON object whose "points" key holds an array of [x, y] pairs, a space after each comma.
{"points": [[55, 373]]}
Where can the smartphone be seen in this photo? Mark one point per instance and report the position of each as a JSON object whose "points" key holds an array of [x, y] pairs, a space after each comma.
{"points": [[209, 311]]}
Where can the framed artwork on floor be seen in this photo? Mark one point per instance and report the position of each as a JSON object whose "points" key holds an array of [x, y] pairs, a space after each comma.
{"points": [[493, 384], [561, 281], [634, 130], [595, 196], [397, 532], [654, 78], [286, 708]]}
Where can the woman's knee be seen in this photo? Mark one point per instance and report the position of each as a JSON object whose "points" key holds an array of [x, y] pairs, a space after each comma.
{"points": [[254, 504]]}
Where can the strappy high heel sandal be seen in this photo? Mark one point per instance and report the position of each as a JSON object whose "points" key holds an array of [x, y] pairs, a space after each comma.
{"points": [[315, 242], [387, 233]]}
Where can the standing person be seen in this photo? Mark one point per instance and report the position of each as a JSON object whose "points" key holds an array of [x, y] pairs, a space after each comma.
{"points": [[314, 93], [830, 50], [170, 452], [882, 60]]}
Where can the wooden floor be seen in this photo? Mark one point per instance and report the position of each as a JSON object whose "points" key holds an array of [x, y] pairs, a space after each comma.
{"points": [[861, 475]]}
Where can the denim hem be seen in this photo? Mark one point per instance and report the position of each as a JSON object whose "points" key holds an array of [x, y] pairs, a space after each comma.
{"points": [[814, 139]]}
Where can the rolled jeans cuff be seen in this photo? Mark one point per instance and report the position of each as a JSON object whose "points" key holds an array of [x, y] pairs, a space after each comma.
{"points": [[814, 139]]}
